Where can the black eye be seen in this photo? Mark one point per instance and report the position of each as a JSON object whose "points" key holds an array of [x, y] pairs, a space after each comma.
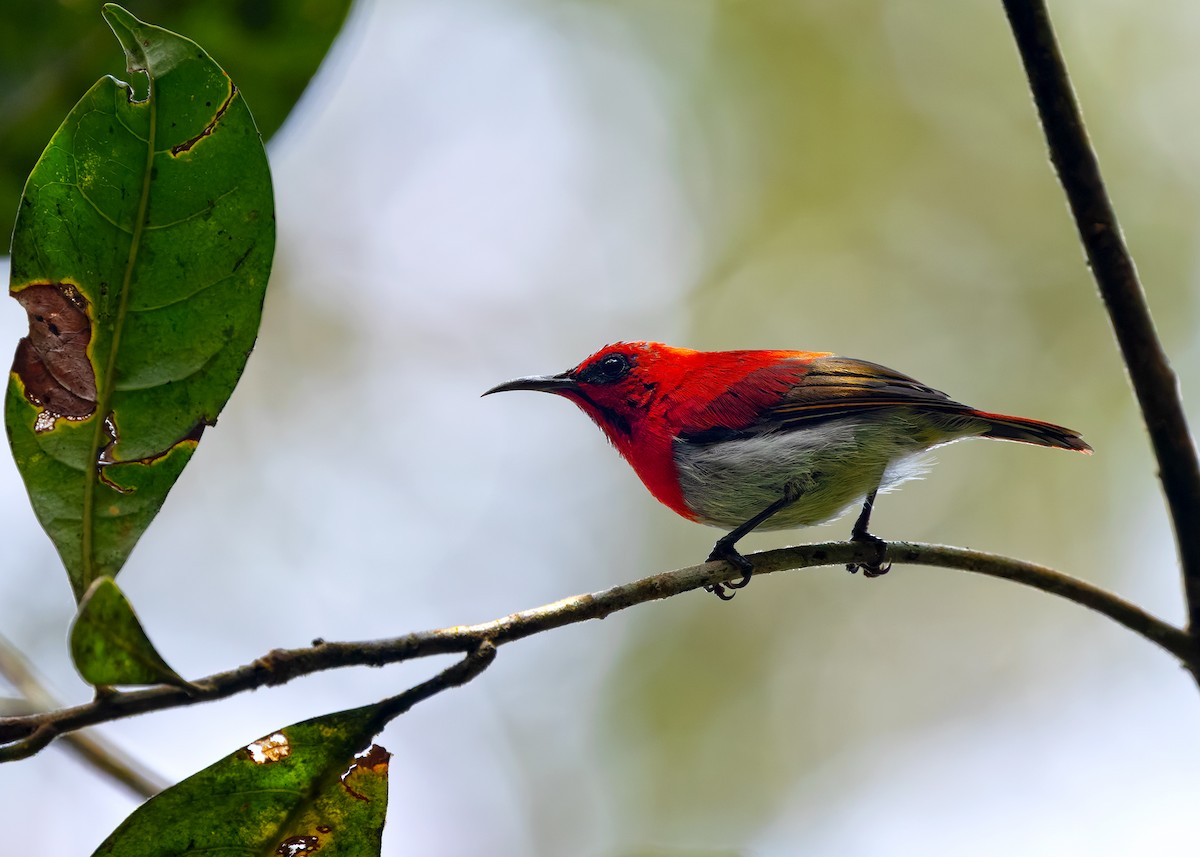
{"points": [[607, 370]]}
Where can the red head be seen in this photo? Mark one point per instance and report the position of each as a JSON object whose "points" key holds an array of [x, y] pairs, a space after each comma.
{"points": [[644, 394]]}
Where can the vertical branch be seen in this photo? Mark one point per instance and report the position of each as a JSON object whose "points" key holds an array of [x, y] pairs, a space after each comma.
{"points": [[1150, 373]]}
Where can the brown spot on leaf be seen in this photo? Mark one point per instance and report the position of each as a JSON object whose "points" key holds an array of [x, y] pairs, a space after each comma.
{"points": [[374, 759], [111, 437], [120, 489], [52, 361], [186, 145], [272, 748], [295, 845], [197, 431]]}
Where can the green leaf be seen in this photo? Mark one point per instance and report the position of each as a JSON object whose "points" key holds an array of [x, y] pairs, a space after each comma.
{"points": [[292, 792], [347, 817], [141, 254], [51, 52], [109, 645]]}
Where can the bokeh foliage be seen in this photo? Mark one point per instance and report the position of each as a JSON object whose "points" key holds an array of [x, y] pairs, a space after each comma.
{"points": [[51, 52]]}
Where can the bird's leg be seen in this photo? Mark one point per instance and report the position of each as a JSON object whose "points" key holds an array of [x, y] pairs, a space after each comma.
{"points": [[875, 567], [724, 548]]}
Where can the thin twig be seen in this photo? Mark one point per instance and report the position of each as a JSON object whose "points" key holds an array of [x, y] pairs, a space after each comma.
{"points": [[24, 735], [477, 660], [1150, 373], [92, 749]]}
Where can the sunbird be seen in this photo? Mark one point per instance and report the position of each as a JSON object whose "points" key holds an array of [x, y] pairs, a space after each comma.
{"points": [[746, 440]]}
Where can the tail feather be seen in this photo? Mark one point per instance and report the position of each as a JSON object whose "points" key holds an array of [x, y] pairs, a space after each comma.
{"points": [[1022, 430]]}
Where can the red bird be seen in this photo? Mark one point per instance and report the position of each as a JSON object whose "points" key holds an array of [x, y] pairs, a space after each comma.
{"points": [[746, 440]]}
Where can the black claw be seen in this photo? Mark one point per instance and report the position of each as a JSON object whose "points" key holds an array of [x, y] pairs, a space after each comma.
{"points": [[725, 552], [870, 568], [719, 591], [740, 584]]}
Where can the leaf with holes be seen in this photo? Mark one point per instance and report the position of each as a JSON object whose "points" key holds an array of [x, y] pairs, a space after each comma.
{"points": [[300, 790], [141, 254]]}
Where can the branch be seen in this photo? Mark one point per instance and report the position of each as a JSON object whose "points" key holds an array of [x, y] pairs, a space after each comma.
{"points": [[478, 659], [1154, 383], [23, 736], [92, 749]]}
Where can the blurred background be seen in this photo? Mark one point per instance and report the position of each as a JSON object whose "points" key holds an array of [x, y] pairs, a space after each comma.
{"points": [[472, 190]]}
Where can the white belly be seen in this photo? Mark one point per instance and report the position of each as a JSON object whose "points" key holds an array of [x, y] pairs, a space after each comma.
{"points": [[832, 466]]}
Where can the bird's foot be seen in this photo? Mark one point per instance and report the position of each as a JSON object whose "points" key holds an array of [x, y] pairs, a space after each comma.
{"points": [[874, 567], [726, 552]]}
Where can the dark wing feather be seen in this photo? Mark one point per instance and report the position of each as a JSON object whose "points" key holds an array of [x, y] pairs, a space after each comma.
{"points": [[838, 387], [784, 396], [842, 386]]}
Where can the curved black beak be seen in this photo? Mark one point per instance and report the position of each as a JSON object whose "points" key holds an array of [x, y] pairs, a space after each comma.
{"points": [[560, 383]]}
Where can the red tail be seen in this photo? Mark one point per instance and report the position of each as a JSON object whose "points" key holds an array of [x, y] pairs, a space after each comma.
{"points": [[1024, 430]]}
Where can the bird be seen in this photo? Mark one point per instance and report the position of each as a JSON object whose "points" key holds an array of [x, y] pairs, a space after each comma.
{"points": [[770, 439]]}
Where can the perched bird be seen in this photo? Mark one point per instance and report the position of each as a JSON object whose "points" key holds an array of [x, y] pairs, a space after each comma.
{"points": [[746, 440]]}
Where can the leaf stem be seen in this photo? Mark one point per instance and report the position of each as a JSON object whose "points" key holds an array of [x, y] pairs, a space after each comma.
{"points": [[104, 387]]}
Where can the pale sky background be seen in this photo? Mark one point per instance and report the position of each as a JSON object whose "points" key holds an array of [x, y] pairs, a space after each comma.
{"points": [[473, 191]]}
